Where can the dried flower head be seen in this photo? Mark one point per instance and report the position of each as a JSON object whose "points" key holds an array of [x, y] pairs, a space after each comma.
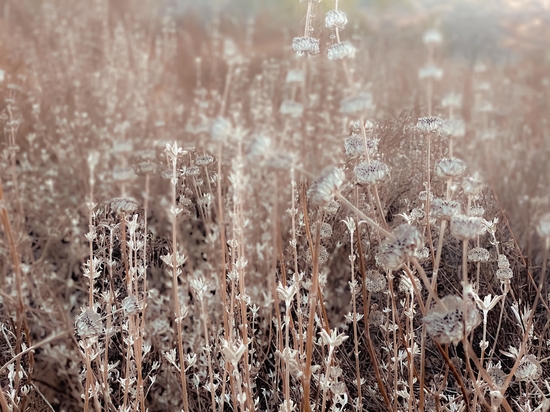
{"points": [[497, 374], [305, 45], [478, 254], [393, 253], [444, 209], [472, 185], [466, 227], [450, 167], [529, 369], [477, 211], [339, 51], [204, 160], [325, 232], [375, 281], [88, 323], [373, 173], [453, 128], [335, 19], [445, 322], [429, 124], [323, 189]]}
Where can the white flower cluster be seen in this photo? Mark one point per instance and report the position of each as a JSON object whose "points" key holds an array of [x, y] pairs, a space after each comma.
{"points": [[335, 19], [393, 253], [373, 173], [322, 191], [445, 322], [305, 45], [341, 51], [444, 209]]}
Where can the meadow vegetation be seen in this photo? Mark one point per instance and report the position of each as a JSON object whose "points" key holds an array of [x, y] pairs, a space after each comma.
{"points": [[316, 206]]}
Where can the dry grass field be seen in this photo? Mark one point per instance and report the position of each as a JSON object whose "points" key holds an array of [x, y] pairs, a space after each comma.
{"points": [[274, 206]]}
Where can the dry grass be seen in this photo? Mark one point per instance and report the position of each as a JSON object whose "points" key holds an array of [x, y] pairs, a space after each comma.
{"points": [[194, 217]]}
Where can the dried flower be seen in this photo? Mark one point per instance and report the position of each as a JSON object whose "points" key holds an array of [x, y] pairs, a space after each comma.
{"points": [[305, 45], [429, 124], [393, 253], [339, 51], [375, 281], [324, 189], [444, 209], [529, 369], [373, 173], [204, 160], [478, 254], [472, 185], [453, 128], [477, 211], [88, 323], [450, 167], [445, 322], [335, 19], [334, 339], [466, 227]]}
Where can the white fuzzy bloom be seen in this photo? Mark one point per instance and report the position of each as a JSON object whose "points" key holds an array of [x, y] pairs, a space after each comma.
{"points": [[466, 227], [373, 173], [445, 322], [305, 45], [444, 209], [322, 191], [429, 124], [392, 253], [341, 51], [450, 167], [336, 19]]}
